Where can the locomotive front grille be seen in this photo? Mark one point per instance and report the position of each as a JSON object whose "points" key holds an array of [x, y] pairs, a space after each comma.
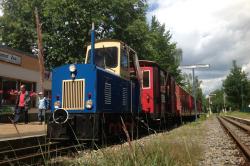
{"points": [[73, 92]]}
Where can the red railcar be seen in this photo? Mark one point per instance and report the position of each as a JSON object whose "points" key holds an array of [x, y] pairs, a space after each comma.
{"points": [[161, 96], [157, 90], [199, 106], [184, 102]]}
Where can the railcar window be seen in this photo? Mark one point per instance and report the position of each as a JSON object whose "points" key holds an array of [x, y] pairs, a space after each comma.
{"points": [[146, 79], [105, 57]]}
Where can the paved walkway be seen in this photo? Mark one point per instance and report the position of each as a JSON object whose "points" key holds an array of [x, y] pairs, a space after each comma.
{"points": [[21, 130]]}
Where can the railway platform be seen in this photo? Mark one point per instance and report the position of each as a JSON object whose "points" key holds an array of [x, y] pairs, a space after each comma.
{"points": [[10, 131]]}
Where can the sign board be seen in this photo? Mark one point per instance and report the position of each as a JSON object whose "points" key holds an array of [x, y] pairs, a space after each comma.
{"points": [[10, 58]]}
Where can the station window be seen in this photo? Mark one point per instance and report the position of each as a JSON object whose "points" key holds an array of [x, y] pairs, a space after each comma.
{"points": [[146, 79], [30, 86], [9, 89], [9, 86]]}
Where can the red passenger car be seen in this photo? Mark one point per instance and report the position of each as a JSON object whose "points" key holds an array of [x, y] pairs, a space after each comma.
{"points": [[199, 106], [157, 90], [162, 97], [184, 102]]}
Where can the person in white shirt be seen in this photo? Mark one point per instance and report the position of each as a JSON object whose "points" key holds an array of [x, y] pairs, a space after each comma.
{"points": [[41, 106]]}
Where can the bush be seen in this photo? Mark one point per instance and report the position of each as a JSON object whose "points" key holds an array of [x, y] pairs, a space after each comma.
{"points": [[6, 109]]}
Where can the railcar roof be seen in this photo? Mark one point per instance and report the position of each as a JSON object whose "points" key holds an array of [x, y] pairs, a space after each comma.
{"points": [[148, 63], [144, 63]]}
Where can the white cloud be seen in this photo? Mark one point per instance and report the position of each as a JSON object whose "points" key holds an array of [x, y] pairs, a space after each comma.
{"points": [[210, 32], [208, 85], [246, 69]]}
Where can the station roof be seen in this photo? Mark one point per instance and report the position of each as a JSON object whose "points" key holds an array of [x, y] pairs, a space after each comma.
{"points": [[4, 47]]}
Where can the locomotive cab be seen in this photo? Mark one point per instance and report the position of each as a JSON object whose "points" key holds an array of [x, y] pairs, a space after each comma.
{"points": [[114, 56]]}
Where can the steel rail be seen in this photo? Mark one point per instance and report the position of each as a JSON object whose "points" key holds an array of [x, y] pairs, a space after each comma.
{"points": [[238, 141], [241, 120], [8, 161], [238, 124], [27, 148]]}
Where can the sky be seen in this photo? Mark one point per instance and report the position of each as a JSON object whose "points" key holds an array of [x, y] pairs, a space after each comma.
{"points": [[214, 32]]}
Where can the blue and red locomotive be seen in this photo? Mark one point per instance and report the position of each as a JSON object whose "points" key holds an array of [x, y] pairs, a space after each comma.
{"points": [[92, 101]]}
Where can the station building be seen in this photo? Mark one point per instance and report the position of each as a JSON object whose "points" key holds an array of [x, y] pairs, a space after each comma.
{"points": [[17, 68]]}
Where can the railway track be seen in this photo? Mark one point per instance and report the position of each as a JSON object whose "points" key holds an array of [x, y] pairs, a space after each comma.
{"points": [[240, 132], [36, 154]]}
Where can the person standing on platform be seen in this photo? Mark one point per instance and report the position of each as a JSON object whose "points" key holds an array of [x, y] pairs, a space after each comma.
{"points": [[22, 105], [42, 106]]}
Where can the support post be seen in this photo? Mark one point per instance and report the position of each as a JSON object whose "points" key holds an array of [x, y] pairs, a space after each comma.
{"points": [[242, 96], [92, 57], [40, 50], [194, 94]]}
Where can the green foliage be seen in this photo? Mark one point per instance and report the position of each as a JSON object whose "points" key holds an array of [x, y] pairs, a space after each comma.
{"points": [[5, 110], [66, 29], [244, 115], [17, 24], [217, 100], [161, 50], [236, 87], [187, 83]]}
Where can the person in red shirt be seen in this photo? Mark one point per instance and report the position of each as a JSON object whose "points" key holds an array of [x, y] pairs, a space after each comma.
{"points": [[22, 104]]}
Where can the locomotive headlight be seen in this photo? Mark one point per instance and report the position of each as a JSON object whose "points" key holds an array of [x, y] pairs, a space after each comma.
{"points": [[73, 71], [72, 68], [89, 104]]}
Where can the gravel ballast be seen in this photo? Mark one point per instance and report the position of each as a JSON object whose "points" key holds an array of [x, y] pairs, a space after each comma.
{"points": [[219, 148]]}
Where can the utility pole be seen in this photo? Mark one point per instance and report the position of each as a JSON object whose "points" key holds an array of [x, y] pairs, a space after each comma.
{"points": [[209, 102], [40, 50], [242, 95], [193, 76], [194, 94], [241, 87], [224, 101]]}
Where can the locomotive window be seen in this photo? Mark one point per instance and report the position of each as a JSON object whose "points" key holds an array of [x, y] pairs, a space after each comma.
{"points": [[124, 59], [105, 57], [146, 79]]}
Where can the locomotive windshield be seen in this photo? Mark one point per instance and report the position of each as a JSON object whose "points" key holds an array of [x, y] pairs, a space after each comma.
{"points": [[105, 57]]}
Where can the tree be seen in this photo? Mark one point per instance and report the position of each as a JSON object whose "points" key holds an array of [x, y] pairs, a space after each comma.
{"points": [[217, 100], [17, 24], [66, 26], [159, 48], [236, 86], [188, 85]]}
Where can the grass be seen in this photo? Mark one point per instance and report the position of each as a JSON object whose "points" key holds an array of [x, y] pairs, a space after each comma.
{"points": [[181, 146], [244, 115]]}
